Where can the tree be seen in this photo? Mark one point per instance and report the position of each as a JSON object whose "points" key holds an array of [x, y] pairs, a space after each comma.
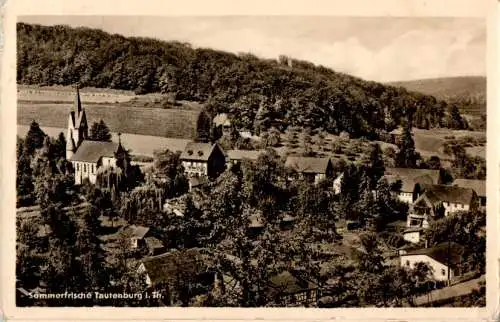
{"points": [[99, 131], [407, 156], [91, 254], [24, 176], [34, 138], [376, 168], [371, 259], [60, 147]]}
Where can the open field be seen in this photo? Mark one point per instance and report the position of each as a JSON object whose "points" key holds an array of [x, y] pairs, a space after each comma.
{"points": [[171, 123], [67, 94], [137, 144]]}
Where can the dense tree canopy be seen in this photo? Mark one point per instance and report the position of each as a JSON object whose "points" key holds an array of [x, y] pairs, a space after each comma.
{"points": [[264, 92]]}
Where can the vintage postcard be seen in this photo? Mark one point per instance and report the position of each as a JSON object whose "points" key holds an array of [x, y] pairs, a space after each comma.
{"points": [[302, 161]]}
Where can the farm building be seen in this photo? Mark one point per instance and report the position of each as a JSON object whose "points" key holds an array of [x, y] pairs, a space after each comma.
{"points": [[479, 186], [311, 169], [411, 180], [288, 289], [236, 156]]}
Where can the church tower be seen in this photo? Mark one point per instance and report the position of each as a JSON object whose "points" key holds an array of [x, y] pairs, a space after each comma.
{"points": [[77, 127]]}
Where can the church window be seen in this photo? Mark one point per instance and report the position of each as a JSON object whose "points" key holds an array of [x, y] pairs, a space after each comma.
{"points": [[84, 167], [78, 167]]}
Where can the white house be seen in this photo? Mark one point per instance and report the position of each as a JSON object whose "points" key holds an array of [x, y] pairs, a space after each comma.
{"points": [[203, 159], [440, 200], [444, 259], [413, 235]]}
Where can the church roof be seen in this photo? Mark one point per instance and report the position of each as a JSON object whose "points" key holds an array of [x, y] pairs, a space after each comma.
{"points": [[92, 151]]}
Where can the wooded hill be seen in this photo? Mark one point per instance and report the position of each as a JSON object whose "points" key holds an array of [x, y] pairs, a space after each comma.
{"points": [[261, 92], [469, 92]]}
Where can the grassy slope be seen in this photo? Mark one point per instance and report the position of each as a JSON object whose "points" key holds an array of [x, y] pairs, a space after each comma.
{"points": [[447, 87], [451, 88]]}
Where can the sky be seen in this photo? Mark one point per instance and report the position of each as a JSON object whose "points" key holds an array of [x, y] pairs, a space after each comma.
{"points": [[382, 49]]}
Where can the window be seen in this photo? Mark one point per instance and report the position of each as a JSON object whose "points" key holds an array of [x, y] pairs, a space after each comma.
{"points": [[84, 167], [78, 167], [443, 272], [93, 168], [407, 263]]}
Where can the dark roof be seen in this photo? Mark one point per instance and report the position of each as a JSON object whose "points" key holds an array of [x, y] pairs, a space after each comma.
{"points": [[413, 230], [153, 243], [440, 253], [185, 264], [139, 231], [244, 154], [308, 164], [288, 283], [197, 181], [198, 151], [479, 186], [446, 193], [409, 177], [92, 151]]}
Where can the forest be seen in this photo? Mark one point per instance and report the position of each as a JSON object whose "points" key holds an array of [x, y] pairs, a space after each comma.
{"points": [[278, 92]]}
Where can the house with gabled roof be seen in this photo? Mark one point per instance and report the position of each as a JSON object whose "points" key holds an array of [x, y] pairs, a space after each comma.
{"points": [[310, 168], [445, 260], [479, 186], [410, 181], [237, 156], [187, 266], [440, 200], [203, 159]]}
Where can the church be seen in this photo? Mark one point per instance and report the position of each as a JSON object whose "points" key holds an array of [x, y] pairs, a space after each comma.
{"points": [[85, 155]]}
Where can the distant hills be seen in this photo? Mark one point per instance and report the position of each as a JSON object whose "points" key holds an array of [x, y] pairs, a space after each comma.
{"points": [[469, 92], [261, 93]]}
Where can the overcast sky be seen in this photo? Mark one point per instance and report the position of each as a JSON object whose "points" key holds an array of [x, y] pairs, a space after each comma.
{"points": [[381, 49]]}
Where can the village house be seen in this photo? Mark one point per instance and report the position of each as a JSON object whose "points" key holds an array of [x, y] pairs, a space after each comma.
{"points": [[192, 266], [437, 201], [445, 260], [413, 234], [311, 169], [237, 156], [411, 181], [479, 186], [203, 159], [290, 290]]}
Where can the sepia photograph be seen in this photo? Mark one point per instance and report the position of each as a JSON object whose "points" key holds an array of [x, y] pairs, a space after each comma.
{"points": [[251, 161]]}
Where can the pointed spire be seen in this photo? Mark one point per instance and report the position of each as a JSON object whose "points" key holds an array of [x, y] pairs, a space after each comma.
{"points": [[120, 148], [78, 102]]}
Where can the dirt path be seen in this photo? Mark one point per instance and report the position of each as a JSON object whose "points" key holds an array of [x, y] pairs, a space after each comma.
{"points": [[449, 292]]}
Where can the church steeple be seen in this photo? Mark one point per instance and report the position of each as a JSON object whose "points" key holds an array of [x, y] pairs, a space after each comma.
{"points": [[78, 103]]}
